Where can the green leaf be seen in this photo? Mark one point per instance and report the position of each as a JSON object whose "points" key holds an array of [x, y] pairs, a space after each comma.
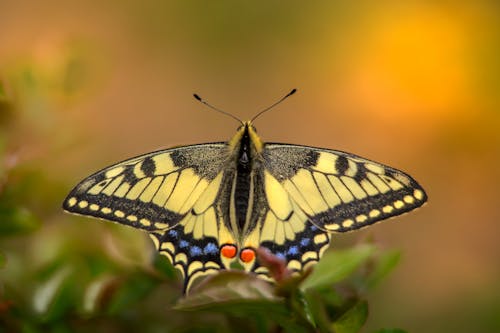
{"points": [[16, 220], [385, 263], [229, 290], [3, 260], [164, 267], [243, 295], [53, 297], [337, 265], [95, 293], [353, 319], [391, 330], [132, 290], [301, 306], [316, 306], [331, 297]]}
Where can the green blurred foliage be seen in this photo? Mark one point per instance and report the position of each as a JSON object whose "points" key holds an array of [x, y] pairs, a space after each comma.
{"points": [[77, 295]]}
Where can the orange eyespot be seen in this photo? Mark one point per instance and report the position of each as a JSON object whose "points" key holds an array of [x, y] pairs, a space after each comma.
{"points": [[228, 251], [247, 255]]}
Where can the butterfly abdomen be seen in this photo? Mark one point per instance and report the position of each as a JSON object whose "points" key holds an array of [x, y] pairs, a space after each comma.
{"points": [[243, 179]]}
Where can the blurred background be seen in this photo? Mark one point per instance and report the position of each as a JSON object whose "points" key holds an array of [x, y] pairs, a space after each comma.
{"points": [[414, 84]]}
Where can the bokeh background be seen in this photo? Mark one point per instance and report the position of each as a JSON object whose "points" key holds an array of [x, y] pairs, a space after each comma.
{"points": [[413, 84]]}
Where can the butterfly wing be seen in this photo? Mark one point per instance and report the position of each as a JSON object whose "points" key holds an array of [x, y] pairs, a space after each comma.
{"points": [[172, 194], [312, 191]]}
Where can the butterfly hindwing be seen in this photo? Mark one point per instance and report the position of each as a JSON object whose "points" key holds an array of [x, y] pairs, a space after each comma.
{"points": [[193, 257], [172, 194], [282, 227], [338, 191]]}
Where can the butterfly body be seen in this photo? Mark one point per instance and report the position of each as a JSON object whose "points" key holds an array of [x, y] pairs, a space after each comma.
{"points": [[207, 206]]}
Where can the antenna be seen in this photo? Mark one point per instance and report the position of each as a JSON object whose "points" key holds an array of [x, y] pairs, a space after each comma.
{"points": [[198, 98], [293, 91]]}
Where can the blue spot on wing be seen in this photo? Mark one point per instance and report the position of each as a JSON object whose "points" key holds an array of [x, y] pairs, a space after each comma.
{"points": [[195, 251], [210, 248], [202, 250], [293, 250], [304, 242], [281, 255]]}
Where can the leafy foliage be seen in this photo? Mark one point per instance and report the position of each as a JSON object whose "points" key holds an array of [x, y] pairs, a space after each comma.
{"points": [[82, 290], [310, 305]]}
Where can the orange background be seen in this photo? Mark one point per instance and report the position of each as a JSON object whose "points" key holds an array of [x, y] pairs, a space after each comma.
{"points": [[415, 85]]}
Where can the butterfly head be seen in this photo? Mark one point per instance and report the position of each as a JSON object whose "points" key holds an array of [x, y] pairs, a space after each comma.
{"points": [[247, 133]]}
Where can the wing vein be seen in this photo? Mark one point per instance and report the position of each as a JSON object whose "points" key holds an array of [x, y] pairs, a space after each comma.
{"points": [[177, 176], [302, 195], [319, 189]]}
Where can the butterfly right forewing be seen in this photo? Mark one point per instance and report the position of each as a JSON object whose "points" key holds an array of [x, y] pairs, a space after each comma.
{"points": [[340, 191]]}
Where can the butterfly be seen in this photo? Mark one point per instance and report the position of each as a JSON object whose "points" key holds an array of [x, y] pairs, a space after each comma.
{"points": [[207, 206]]}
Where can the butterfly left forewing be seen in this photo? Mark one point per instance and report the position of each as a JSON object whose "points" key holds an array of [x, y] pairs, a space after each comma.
{"points": [[152, 191], [172, 194]]}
